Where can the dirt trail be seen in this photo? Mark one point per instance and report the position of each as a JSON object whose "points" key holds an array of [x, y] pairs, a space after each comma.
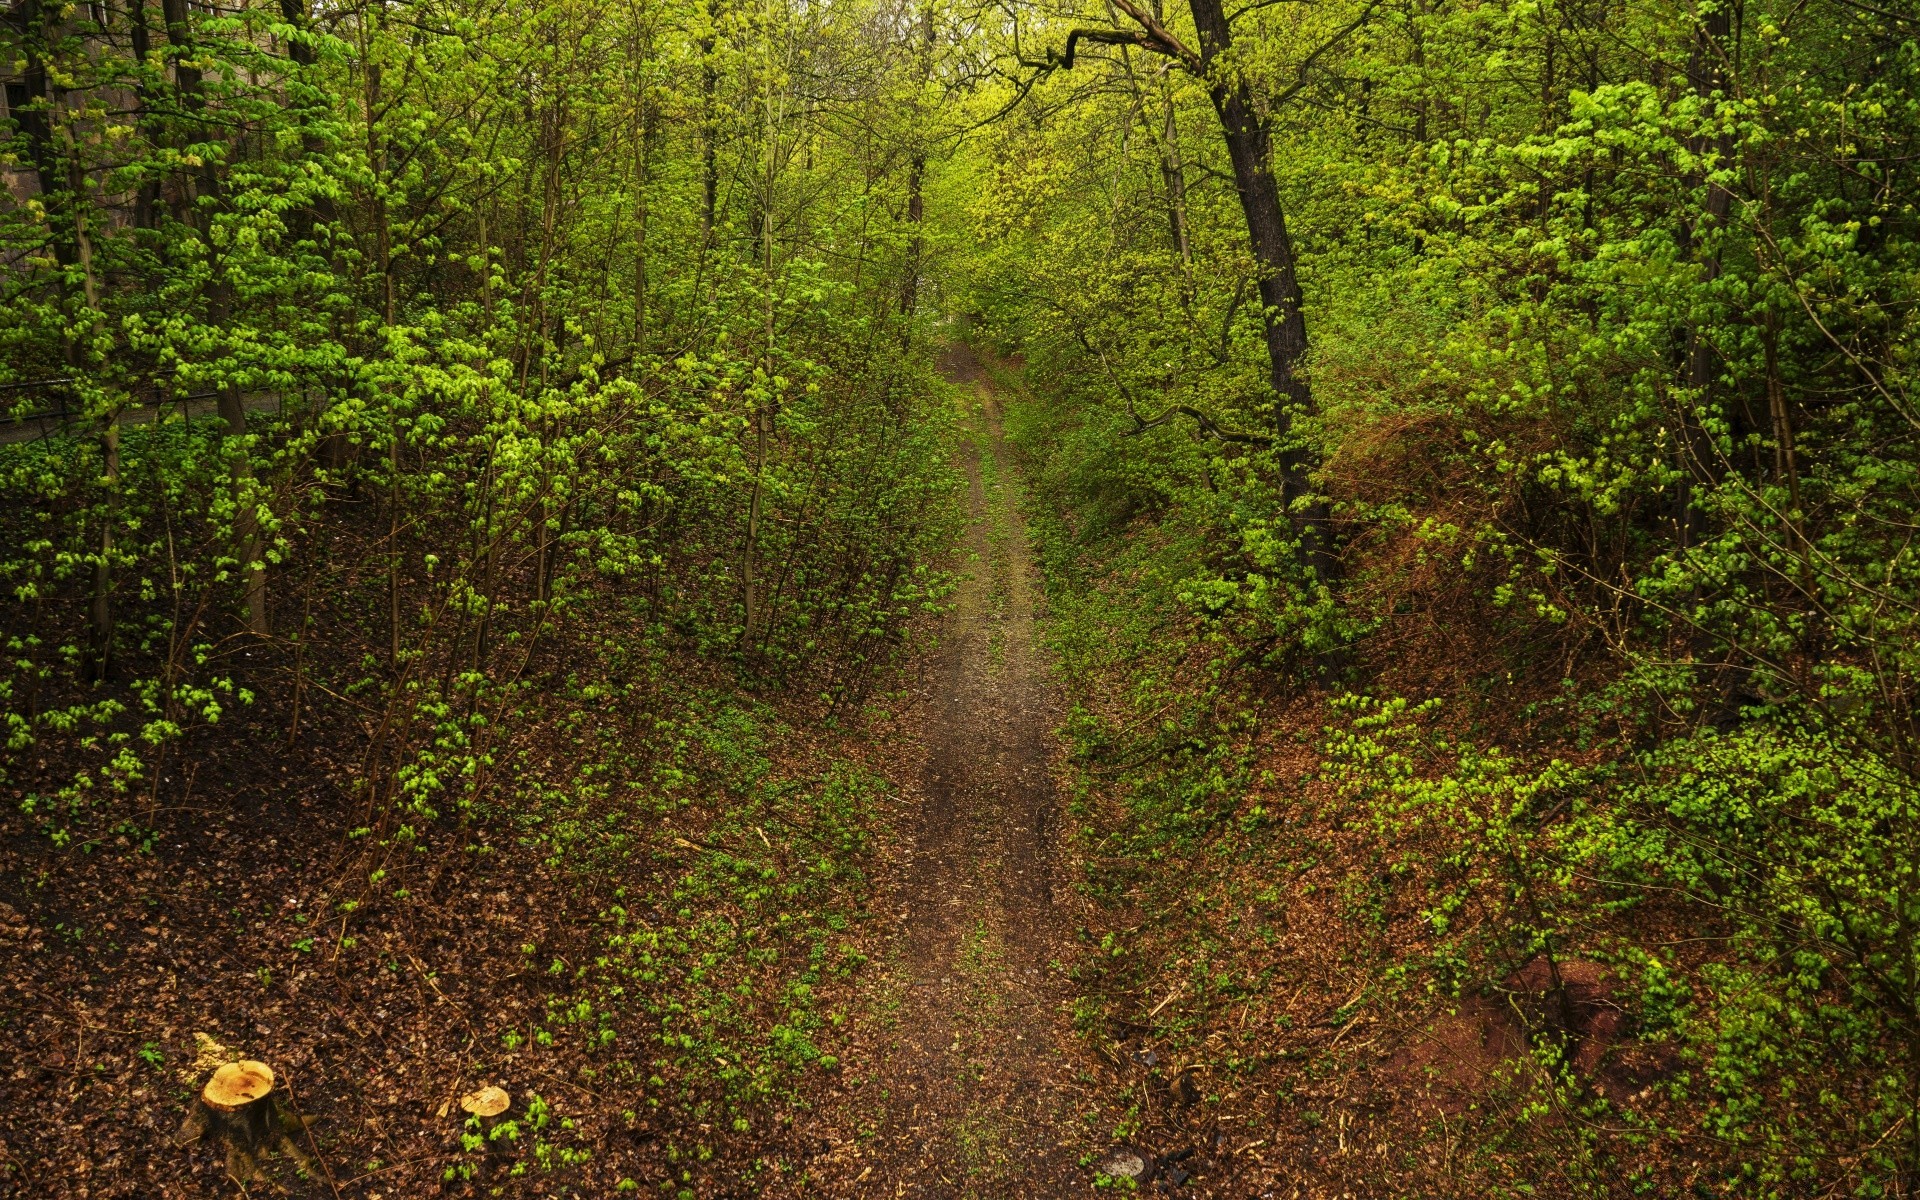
{"points": [[975, 1081]]}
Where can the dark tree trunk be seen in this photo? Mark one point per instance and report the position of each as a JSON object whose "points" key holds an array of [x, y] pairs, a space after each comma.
{"points": [[294, 12], [709, 139], [1706, 75], [180, 35], [31, 101], [1250, 150], [148, 197], [917, 174], [916, 245], [248, 544]]}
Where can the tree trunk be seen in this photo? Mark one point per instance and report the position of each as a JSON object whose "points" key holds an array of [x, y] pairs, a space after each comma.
{"points": [[917, 171], [180, 35], [1705, 72], [1173, 173], [147, 198], [36, 125], [1250, 150], [709, 133], [1705, 75], [246, 521], [749, 583], [100, 612], [294, 12], [642, 135], [383, 252], [763, 413]]}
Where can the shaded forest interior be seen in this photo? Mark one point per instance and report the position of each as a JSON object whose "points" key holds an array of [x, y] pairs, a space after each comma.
{"points": [[490, 495]]}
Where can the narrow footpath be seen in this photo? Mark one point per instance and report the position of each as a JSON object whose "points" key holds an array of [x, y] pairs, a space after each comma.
{"points": [[975, 1088]]}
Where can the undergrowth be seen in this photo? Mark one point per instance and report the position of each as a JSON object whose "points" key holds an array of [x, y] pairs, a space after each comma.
{"points": [[1690, 955]]}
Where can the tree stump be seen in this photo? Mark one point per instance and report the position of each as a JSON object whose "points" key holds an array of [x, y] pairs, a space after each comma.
{"points": [[485, 1110], [237, 1109], [487, 1103]]}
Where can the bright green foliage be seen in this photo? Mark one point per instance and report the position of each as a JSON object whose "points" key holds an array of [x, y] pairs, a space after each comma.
{"points": [[1612, 337], [426, 343], [468, 404]]}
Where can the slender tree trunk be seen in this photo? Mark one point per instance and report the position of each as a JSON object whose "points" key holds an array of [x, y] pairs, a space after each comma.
{"points": [[1250, 150], [66, 198], [36, 124], [916, 243], [550, 205], [755, 501], [763, 413], [383, 251], [709, 133], [1416, 35], [246, 522], [917, 169], [100, 611], [1173, 172], [187, 83], [641, 181], [1705, 75], [1786, 462], [147, 199]]}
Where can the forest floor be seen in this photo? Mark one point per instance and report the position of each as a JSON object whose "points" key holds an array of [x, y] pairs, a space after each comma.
{"points": [[922, 838], [978, 1092]]}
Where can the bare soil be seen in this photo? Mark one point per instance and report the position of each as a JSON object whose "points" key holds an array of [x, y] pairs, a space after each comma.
{"points": [[974, 1088]]}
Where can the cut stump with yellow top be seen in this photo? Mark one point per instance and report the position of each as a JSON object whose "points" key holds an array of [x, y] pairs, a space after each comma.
{"points": [[486, 1103], [238, 1110], [486, 1109]]}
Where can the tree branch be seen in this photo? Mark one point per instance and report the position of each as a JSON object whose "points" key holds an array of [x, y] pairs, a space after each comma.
{"points": [[1306, 64], [1161, 39], [1206, 423], [1152, 36], [1104, 37], [1142, 424]]}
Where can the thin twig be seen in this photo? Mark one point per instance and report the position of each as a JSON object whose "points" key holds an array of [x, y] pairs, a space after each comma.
{"points": [[293, 1102]]}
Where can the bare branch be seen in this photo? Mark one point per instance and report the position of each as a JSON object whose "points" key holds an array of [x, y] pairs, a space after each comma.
{"points": [[1142, 424], [1903, 18], [1206, 423], [1160, 39], [1104, 37], [1306, 64], [1255, 6]]}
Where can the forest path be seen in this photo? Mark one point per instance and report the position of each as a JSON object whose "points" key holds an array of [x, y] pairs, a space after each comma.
{"points": [[975, 1087]]}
